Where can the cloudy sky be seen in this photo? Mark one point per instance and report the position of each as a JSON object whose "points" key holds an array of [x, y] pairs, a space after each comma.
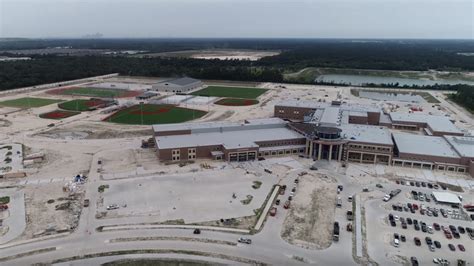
{"points": [[446, 19]]}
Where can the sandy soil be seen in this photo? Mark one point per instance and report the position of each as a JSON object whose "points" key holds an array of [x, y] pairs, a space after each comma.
{"points": [[309, 222], [41, 215]]}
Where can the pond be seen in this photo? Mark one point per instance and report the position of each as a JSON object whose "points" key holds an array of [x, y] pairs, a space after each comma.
{"points": [[359, 80]]}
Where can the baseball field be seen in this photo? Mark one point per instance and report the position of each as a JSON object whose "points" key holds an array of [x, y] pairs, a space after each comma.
{"points": [[58, 114], [81, 104], [28, 102], [234, 92], [149, 114]]}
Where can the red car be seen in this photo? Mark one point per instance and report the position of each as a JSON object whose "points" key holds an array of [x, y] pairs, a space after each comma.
{"points": [[3, 207], [273, 211], [448, 235], [461, 247], [287, 204]]}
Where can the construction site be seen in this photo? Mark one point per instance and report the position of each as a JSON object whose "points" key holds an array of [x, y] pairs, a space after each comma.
{"points": [[277, 165]]}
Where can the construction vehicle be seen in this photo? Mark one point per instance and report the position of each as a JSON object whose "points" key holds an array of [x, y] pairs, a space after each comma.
{"points": [[149, 143]]}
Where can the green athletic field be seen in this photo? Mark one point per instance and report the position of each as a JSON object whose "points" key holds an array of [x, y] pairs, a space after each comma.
{"points": [[80, 105], [236, 102], [93, 92], [28, 102], [150, 114], [235, 92]]}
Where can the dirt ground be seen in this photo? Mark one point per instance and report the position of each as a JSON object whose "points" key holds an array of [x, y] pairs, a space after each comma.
{"points": [[96, 130], [41, 215], [309, 221]]}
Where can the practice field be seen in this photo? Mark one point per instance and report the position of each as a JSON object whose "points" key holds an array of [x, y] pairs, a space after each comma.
{"points": [[236, 102], [235, 92], [150, 114], [96, 92], [58, 114], [82, 105], [28, 102]]}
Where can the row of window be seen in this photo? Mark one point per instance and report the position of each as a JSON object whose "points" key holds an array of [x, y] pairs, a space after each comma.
{"points": [[280, 152], [373, 148]]}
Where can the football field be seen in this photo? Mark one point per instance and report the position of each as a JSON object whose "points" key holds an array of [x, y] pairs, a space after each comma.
{"points": [[234, 92]]}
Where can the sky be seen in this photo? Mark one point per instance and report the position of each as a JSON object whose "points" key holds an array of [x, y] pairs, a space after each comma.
{"points": [[414, 19]]}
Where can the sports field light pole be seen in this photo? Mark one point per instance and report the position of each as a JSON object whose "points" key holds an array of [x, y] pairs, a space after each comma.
{"points": [[141, 112]]}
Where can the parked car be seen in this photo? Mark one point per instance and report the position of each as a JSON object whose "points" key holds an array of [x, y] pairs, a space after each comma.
{"points": [[197, 231], [273, 211], [414, 261], [403, 238], [112, 207], [437, 244], [461, 247], [417, 241], [452, 247], [244, 240], [86, 202], [409, 220], [277, 202], [436, 226], [461, 230], [287, 204]]}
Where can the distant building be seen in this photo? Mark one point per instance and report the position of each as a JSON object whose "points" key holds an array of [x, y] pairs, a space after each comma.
{"points": [[179, 85]]}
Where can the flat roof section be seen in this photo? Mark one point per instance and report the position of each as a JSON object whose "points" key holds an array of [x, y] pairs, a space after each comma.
{"points": [[463, 145], [435, 122], [367, 134], [424, 145], [446, 197], [229, 139]]}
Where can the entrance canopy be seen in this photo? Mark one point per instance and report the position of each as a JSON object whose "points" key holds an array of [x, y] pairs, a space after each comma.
{"points": [[446, 197]]}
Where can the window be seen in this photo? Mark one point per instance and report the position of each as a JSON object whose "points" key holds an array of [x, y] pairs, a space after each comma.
{"points": [[175, 152]]}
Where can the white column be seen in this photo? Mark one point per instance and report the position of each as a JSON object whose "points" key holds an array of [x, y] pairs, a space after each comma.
{"points": [[319, 151]]}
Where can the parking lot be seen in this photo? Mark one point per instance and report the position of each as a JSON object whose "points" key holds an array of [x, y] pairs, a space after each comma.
{"points": [[413, 213]]}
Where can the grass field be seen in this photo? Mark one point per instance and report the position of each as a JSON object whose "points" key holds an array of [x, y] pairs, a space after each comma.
{"points": [[150, 114], [96, 92], [58, 114], [28, 102], [235, 92], [80, 105], [236, 102]]}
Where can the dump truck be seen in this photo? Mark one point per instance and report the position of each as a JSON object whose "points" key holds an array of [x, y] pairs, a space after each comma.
{"points": [[335, 236]]}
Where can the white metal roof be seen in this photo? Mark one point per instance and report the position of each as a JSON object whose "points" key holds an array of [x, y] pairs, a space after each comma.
{"points": [[367, 134], [463, 145], [446, 197], [424, 145], [435, 122], [232, 139]]}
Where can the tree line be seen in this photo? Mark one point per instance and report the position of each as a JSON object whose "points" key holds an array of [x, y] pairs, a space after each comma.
{"points": [[464, 96]]}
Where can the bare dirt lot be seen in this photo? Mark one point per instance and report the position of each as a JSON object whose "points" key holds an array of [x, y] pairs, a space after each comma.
{"points": [[309, 221], [96, 130], [49, 208]]}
